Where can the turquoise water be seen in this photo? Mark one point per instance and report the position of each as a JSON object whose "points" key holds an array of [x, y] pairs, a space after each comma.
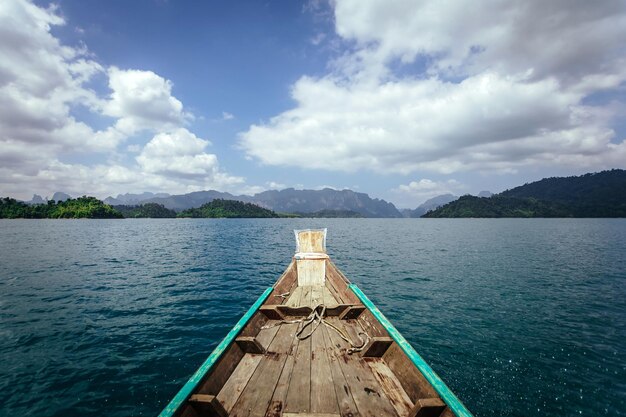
{"points": [[110, 317]]}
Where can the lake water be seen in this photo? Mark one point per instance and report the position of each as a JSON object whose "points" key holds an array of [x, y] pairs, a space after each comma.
{"points": [[520, 317]]}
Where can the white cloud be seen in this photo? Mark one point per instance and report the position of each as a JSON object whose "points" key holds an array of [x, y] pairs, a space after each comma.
{"points": [[142, 100], [181, 154], [41, 83], [227, 116], [416, 192], [492, 86]]}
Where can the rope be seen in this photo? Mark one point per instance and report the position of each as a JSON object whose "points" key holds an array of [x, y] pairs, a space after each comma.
{"points": [[314, 319]]}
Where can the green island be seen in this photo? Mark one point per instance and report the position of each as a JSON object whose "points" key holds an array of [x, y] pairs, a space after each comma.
{"points": [[73, 208], [601, 194], [146, 210], [330, 214], [228, 209]]}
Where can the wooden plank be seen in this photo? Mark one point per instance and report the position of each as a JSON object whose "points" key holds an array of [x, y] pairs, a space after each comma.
{"points": [[425, 370], [271, 312], [288, 311], [250, 344], [413, 382], [207, 367], [377, 346], [391, 386], [256, 396], [277, 404], [285, 284], [310, 415], [323, 397], [298, 396], [306, 296], [427, 407], [329, 299], [294, 299], [343, 392], [317, 295], [265, 336], [367, 393], [311, 271], [207, 405], [352, 312], [333, 291], [254, 326], [340, 283], [371, 326], [312, 241], [237, 382], [222, 371]]}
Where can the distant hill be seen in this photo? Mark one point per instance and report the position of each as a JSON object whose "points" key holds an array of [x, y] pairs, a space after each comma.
{"points": [[331, 214], [147, 210], [132, 199], [228, 209], [79, 208], [431, 204], [311, 201], [601, 194], [59, 196], [284, 201]]}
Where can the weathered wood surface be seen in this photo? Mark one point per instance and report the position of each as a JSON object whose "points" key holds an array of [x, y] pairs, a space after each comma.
{"points": [[250, 344], [391, 386], [323, 397], [427, 407], [286, 284], [222, 371], [257, 394], [311, 271], [235, 385], [343, 391], [311, 241], [409, 376], [298, 395], [338, 284], [207, 405], [366, 391], [294, 299]]}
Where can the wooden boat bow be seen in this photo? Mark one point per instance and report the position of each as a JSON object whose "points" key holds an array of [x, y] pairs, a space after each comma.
{"points": [[267, 366]]}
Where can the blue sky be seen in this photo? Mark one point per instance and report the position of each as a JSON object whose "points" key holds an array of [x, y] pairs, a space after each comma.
{"points": [[401, 100]]}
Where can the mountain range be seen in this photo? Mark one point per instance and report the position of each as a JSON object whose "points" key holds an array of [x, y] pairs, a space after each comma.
{"points": [[601, 194], [284, 201]]}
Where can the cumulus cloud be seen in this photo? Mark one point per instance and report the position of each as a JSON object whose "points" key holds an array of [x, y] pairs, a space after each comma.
{"points": [[418, 191], [448, 86], [181, 154], [142, 100], [43, 82]]}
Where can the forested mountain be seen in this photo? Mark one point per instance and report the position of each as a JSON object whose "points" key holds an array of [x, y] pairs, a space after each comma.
{"points": [[285, 201], [431, 204], [152, 210], [82, 207], [228, 209], [601, 194]]}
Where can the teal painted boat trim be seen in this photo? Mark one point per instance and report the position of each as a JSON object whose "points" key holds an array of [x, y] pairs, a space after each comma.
{"points": [[442, 389], [190, 386]]}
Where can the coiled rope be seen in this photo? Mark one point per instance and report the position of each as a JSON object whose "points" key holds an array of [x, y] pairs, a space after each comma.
{"points": [[314, 319]]}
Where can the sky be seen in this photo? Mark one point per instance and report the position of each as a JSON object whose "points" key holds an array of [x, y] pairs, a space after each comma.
{"points": [[400, 99]]}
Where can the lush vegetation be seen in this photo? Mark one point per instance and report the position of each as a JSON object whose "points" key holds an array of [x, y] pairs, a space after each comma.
{"points": [[78, 208], [470, 206], [152, 210], [329, 214], [600, 194], [228, 208]]}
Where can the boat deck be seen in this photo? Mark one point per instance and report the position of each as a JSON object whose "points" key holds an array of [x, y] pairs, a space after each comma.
{"points": [[312, 376], [266, 368]]}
